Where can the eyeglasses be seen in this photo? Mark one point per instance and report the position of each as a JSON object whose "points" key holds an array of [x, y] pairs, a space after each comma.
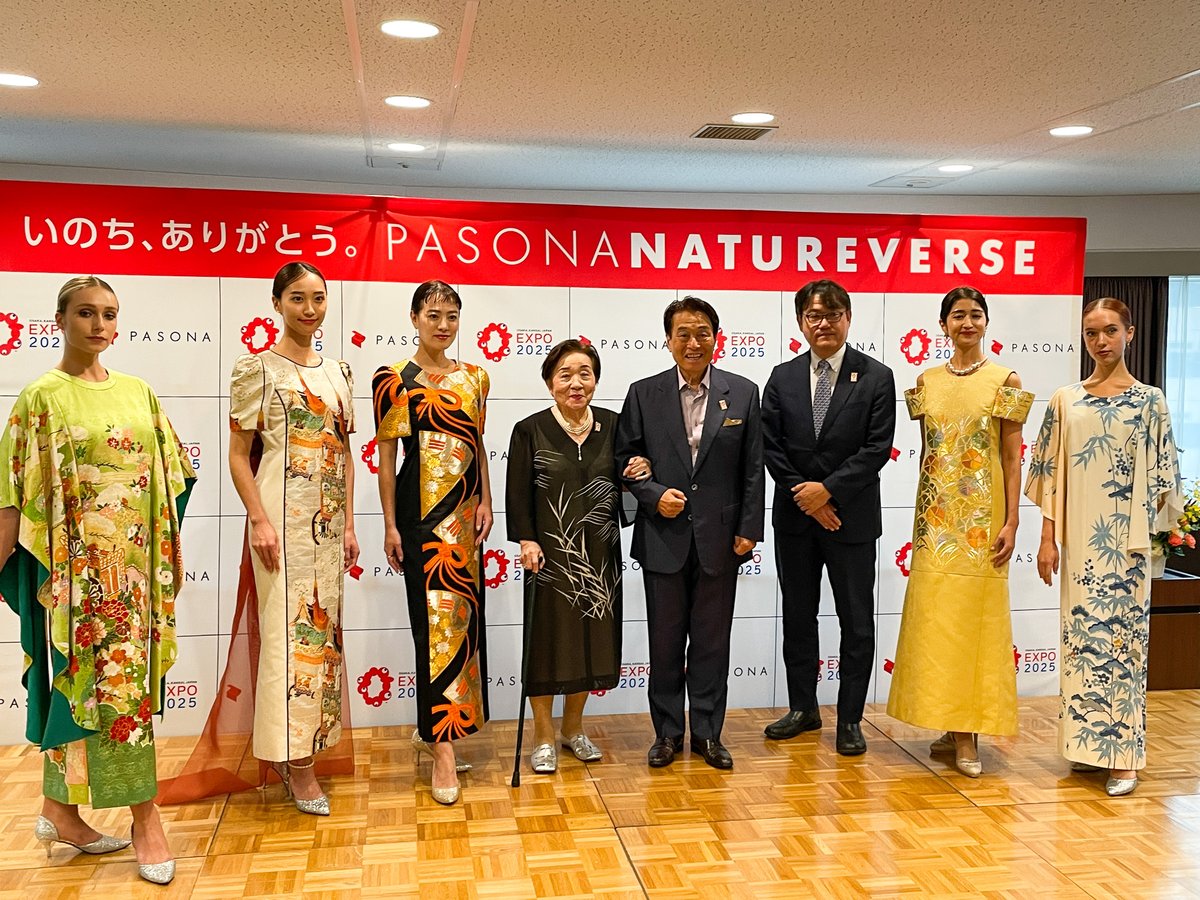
{"points": [[814, 318]]}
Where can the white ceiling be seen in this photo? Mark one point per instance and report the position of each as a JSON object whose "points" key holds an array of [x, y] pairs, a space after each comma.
{"points": [[564, 94]]}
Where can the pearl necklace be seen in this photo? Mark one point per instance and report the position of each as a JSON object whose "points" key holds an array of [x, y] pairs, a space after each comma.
{"points": [[967, 371], [573, 430]]}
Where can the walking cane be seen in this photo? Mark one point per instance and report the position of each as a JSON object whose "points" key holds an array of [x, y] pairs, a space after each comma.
{"points": [[530, 595]]}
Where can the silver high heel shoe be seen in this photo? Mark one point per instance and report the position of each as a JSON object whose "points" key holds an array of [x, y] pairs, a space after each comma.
{"points": [[318, 806], [582, 747], [972, 768], [421, 746], [155, 873], [46, 832], [1119, 787], [447, 796]]}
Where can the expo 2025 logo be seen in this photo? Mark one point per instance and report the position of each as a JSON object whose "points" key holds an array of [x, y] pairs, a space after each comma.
{"points": [[902, 559], [371, 695], [500, 558], [259, 335], [494, 340], [368, 455], [915, 346], [12, 341]]}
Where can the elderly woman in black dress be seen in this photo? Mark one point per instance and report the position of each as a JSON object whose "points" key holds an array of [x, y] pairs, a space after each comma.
{"points": [[564, 508]]}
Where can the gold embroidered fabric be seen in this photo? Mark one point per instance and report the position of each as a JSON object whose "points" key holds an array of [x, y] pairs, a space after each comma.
{"points": [[1012, 404], [914, 398]]}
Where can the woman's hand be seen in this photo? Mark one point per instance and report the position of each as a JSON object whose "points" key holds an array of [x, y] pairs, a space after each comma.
{"points": [[392, 551], [1003, 546], [637, 469], [483, 522], [265, 542], [1047, 560], [532, 559], [349, 550]]}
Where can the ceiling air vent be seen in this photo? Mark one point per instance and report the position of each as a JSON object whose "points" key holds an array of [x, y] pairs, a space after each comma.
{"points": [[734, 132]]}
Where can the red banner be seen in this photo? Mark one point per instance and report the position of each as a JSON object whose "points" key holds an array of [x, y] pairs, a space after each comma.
{"points": [[107, 229]]}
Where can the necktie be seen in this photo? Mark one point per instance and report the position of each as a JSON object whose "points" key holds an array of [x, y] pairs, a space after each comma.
{"points": [[821, 396]]}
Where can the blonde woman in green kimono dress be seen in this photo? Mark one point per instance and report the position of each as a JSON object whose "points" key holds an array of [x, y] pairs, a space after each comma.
{"points": [[92, 493], [1105, 472]]}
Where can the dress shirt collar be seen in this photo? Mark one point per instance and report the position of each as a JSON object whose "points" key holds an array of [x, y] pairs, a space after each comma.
{"points": [[705, 381], [835, 362]]}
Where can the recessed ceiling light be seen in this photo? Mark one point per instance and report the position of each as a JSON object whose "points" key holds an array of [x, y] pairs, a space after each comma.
{"points": [[753, 118], [8, 79], [404, 102], [401, 147], [956, 168], [1072, 130], [409, 28]]}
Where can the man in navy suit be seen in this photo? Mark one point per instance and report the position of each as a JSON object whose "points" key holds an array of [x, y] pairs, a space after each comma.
{"points": [[829, 417], [700, 513]]}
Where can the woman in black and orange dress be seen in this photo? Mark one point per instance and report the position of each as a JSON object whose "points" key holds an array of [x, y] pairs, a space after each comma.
{"points": [[437, 512]]}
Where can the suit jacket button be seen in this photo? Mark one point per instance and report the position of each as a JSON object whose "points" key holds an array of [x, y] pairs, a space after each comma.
{"points": [[689, 518], [693, 487]]}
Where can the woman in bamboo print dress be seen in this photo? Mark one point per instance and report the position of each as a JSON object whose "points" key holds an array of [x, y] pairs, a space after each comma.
{"points": [[301, 529], [954, 667], [437, 511], [91, 502], [1105, 473]]}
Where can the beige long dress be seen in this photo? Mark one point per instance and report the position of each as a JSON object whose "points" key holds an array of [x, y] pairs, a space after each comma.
{"points": [[302, 415]]}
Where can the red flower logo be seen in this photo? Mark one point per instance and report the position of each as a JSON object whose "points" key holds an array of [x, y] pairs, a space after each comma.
{"points": [[368, 455], [915, 346], [484, 342], [14, 333], [384, 677], [122, 729], [259, 343], [719, 346], [902, 559], [1016, 658], [500, 558], [144, 710]]}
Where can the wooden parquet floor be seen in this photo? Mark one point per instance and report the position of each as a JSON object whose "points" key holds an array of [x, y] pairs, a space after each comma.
{"points": [[793, 819]]}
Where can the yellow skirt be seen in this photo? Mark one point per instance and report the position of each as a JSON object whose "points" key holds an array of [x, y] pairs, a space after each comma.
{"points": [[955, 667]]}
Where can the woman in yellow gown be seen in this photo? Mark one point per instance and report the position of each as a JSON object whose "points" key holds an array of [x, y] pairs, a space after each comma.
{"points": [[954, 667]]}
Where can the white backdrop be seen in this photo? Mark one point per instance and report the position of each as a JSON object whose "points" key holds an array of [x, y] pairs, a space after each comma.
{"points": [[182, 333]]}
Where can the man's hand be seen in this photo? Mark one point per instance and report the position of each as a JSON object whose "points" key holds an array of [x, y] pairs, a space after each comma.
{"points": [[826, 517], [810, 496], [671, 503], [742, 546]]}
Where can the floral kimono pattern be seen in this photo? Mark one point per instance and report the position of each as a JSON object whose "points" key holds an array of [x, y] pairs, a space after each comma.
{"points": [[439, 421], [100, 481], [1105, 470]]}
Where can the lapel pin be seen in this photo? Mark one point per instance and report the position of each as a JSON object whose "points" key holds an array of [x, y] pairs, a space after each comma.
{"points": [[724, 405], [597, 426], [853, 377]]}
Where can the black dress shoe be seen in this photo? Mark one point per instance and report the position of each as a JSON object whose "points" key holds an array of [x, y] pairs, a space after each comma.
{"points": [[662, 752], [793, 722], [850, 740], [713, 752]]}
